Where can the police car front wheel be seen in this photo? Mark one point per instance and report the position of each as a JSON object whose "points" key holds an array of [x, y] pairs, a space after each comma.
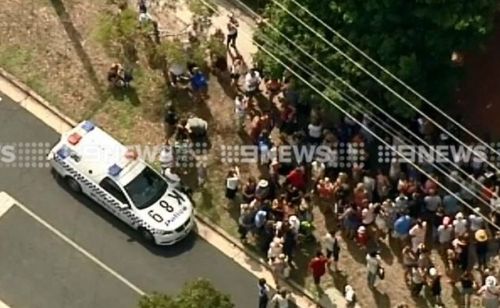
{"points": [[73, 184], [146, 235]]}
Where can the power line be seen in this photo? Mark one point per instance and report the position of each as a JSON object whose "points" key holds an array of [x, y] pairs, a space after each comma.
{"points": [[301, 65], [359, 66], [361, 124], [401, 82]]}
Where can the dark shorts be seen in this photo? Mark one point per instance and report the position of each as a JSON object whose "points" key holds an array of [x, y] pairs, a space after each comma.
{"points": [[316, 279], [230, 193], [331, 254]]}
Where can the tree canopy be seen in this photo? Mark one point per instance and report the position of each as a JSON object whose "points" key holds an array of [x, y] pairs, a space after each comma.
{"points": [[414, 39], [195, 294]]}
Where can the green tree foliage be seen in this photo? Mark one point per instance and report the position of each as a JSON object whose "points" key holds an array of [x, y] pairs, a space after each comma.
{"points": [[199, 293], [414, 39]]}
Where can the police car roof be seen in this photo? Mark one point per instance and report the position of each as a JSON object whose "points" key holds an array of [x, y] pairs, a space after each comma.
{"points": [[98, 151]]}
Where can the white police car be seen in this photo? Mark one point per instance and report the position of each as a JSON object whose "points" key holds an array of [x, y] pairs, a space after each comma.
{"points": [[94, 163]]}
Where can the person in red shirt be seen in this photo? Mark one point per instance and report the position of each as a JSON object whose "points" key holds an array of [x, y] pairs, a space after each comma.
{"points": [[317, 266], [297, 178]]}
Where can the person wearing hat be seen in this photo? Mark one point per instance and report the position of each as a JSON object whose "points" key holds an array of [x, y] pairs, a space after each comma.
{"points": [[481, 248], [490, 293], [435, 285], [262, 191]]}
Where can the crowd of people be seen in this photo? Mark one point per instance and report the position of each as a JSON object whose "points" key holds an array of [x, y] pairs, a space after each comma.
{"points": [[369, 203]]}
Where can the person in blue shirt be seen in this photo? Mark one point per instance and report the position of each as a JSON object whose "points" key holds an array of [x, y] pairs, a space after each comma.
{"points": [[199, 82], [402, 227], [260, 219]]}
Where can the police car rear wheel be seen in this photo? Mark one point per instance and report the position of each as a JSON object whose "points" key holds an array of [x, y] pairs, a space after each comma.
{"points": [[146, 235], [73, 185]]}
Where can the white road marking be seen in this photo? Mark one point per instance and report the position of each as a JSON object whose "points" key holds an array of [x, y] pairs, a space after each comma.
{"points": [[59, 234], [5, 205], [2, 304]]}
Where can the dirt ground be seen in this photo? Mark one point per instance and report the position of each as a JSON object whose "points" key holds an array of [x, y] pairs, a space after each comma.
{"points": [[58, 56]]}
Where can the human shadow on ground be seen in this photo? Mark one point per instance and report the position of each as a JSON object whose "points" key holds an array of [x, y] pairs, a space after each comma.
{"points": [[122, 93], [76, 39]]}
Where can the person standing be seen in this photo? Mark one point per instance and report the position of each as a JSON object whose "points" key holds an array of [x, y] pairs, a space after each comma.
{"points": [[240, 103], [467, 288], [373, 266], [232, 183], [232, 31], [263, 293], [435, 285], [332, 248], [171, 119], [317, 266], [281, 299], [481, 248], [490, 293]]}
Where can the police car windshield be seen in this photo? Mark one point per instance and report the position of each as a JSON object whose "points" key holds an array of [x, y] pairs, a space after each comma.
{"points": [[146, 188]]}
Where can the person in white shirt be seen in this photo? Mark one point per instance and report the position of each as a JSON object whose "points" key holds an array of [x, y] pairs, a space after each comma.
{"points": [[252, 83], [373, 261], [294, 222], [317, 171], [172, 178], [460, 224], [445, 233], [240, 105], [275, 249], [315, 131], [166, 157], [417, 233], [232, 182], [349, 296], [368, 215], [281, 299], [197, 127], [475, 221], [176, 71]]}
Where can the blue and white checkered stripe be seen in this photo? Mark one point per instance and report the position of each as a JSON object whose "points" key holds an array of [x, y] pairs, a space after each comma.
{"points": [[134, 219]]}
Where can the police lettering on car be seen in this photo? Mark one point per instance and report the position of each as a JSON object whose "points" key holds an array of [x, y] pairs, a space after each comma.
{"points": [[92, 162]]}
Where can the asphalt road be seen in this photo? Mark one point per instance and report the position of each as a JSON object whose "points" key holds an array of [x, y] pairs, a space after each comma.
{"points": [[39, 270]]}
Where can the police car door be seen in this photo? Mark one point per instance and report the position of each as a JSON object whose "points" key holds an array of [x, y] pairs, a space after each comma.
{"points": [[114, 200]]}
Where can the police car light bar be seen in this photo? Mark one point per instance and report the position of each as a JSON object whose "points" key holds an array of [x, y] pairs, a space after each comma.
{"points": [[114, 170], [88, 126], [74, 138], [63, 152]]}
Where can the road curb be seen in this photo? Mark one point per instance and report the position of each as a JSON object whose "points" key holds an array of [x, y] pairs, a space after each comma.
{"points": [[29, 92], [200, 217], [292, 285]]}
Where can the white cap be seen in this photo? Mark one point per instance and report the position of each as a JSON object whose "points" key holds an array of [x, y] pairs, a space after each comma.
{"points": [[433, 271], [491, 281]]}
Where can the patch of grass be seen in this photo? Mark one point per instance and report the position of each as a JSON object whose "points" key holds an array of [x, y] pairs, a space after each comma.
{"points": [[19, 62], [15, 59]]}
